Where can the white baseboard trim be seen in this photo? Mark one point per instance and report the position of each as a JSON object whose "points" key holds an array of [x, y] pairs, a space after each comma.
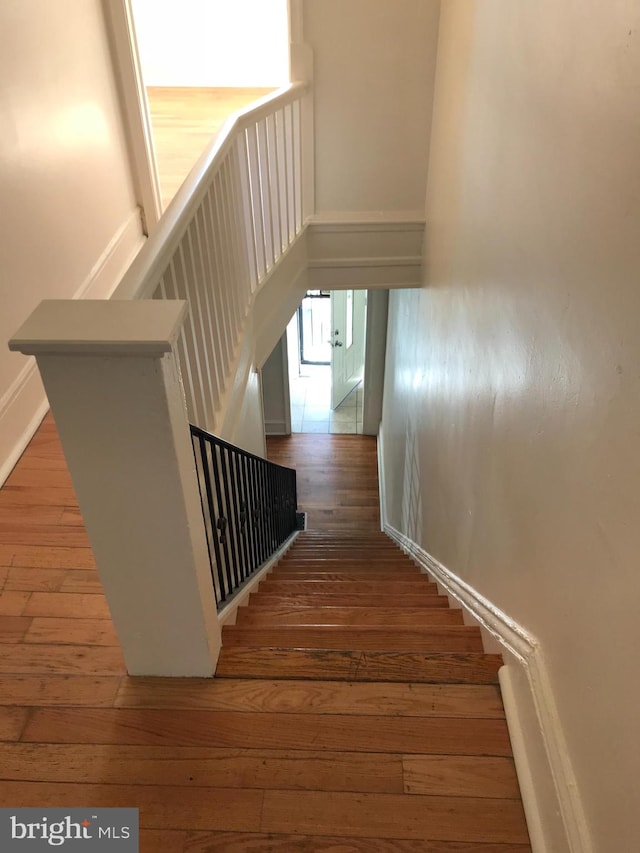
{"points": [[276, 427], [22, 408], [228, 614], [24, 403], [552, 803], [381, 478]]}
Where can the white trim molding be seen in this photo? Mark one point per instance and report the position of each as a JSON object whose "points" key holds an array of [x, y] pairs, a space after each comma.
{"points": [[22, 408], [228, 614], [135, 109], [370, 249], [554, 811], [551, 799]]}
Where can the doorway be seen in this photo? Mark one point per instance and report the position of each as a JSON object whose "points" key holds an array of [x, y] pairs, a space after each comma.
{"points": [[325, 345], [185, 68]]}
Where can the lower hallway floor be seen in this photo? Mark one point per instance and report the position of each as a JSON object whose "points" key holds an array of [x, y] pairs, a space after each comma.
{"points": [[370, 751]]}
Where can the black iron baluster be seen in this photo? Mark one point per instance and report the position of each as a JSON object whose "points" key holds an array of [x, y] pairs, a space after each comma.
{"points": [[248, 527], [226, 493], [218, 579], [242, 515], [232, 454], [249, 507], [222, 539]]}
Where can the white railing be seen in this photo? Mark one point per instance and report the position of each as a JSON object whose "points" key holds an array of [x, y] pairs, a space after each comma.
{"points": [[237, 213]]}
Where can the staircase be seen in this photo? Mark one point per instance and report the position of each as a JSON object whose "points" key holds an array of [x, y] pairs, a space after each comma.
{"points": [[387, 699]]}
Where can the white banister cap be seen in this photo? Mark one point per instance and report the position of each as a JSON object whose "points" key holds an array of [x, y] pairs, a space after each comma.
{"points": [[146, 327]]}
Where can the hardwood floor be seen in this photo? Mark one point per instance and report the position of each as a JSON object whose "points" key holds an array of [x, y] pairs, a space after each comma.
{"points": [[302, 750], [184, 120], [337, 478]]}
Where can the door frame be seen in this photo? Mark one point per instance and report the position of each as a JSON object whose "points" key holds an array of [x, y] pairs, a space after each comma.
{"points": [[135, 110]]}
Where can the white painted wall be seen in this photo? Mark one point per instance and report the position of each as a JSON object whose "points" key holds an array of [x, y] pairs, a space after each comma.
{"points": [[249, 429], [213, 42], [276, 403], [512, 405], [68, 218], [374, 62]]}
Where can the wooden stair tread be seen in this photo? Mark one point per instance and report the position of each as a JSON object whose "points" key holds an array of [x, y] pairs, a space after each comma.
{"points": [[388, 578], [459, 638], [309, 586], [369, 616], [301, 697], [433, 667], [269, 598]]}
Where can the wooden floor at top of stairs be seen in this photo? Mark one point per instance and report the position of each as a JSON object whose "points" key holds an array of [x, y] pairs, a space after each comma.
{"points": [[242, 765]]}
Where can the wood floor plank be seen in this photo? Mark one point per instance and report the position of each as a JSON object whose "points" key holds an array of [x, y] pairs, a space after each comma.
{"points": [[37, 556], [171, 807], [195, 767], [72, 660], [72, 515], [155, 841], [13, 628], [12, 722], [87, 690], [460, 776], [34, 479], [83, 632], [433, 667], [336, 733], [31, 515], [79, 580], [321, 697], [37, 496], [13, 603], [67, 605], [23, 533], [34, 580], [381, 815], [445, 639]]}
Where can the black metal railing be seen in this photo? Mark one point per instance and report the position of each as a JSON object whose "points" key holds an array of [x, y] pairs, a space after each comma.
{"points": [[249, 507]]}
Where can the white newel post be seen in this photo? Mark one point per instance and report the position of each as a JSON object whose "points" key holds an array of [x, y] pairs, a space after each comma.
{"points": [[111, 374]]}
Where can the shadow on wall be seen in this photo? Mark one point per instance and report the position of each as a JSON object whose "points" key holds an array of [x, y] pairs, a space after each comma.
{"points": [[411, 492]]}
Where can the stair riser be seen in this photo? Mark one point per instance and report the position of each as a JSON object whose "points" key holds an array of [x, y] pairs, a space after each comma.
{"points": [[323, 664], [308, 587], [319, 599], [336, 616], [329, 577]]}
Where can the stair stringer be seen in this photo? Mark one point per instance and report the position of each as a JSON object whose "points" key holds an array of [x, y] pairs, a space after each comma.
{"points": [[555, 815]]}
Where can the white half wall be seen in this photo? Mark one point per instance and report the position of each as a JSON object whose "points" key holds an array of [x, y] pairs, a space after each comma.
{"points": [[69, 220]]}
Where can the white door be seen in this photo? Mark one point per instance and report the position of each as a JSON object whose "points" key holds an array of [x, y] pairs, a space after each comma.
{"points": [[348, 310]]}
